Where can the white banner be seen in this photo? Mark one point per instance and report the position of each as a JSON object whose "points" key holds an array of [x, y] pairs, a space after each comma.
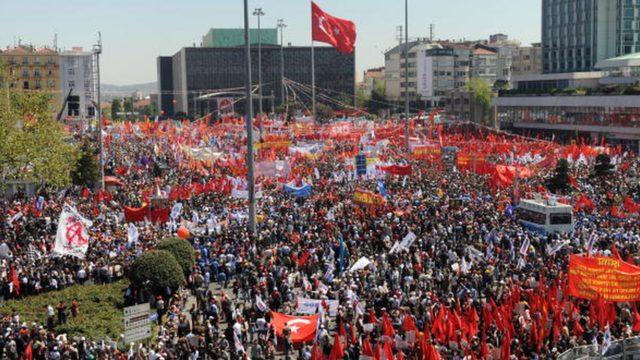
{"points": [[362, 263], [313, 306], [72, 237]]}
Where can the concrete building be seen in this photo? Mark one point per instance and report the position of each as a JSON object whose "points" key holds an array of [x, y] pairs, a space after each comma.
{"points": [[435, 74], [194, 78], [29, 68], [370, 79], [588, 105], [77, 82], [235, 37], [527, 60], [484, 60], [576, 34], [394, 65]]}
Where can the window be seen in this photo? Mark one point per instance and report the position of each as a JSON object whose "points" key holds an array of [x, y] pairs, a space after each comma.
{"points": [[25, 85], [36, 60], [25, 73], [71, 71], [25, 60], [72, 83], [560, 219], [38, 85], [531, 216]]}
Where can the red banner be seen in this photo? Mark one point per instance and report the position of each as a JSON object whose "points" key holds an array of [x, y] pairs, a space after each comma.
{"points": [[601, 277], [303, 328], [397, 169], [145, 212]]}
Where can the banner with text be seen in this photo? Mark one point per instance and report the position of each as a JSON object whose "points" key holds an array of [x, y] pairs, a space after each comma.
{"points": [[608, 278]]}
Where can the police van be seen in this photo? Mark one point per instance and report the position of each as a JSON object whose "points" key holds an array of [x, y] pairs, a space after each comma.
{"points": [[545, 215]]}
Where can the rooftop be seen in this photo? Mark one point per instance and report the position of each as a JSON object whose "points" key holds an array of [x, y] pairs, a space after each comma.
{"points": [[629, 60]]}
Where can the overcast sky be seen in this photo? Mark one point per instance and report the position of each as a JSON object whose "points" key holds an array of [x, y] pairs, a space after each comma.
{"points": [[135, 32]]}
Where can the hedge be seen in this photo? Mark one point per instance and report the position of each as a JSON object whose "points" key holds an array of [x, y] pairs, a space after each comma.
{"points": [[157, 270], [181, 250]]}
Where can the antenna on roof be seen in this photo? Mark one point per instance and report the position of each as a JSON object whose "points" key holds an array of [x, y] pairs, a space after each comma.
{"points": [[55, 42], [431, 29], [399, 35]]}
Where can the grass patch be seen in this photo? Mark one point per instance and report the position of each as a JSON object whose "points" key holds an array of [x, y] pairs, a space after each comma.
{"points": [[100, 315]]}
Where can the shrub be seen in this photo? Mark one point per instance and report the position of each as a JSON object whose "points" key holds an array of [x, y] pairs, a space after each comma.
{"points": [[603, 167], [181, 250], [156, 270]]}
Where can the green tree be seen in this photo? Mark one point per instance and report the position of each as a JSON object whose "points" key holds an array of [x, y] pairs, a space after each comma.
{"points": [[377, 100], [482, 96], [603, 167], [128, 104], [156, 270], [559, 182], [33, 145], [116, 107], [150, 110], [86, 172], [181, 250], [361, 98]]}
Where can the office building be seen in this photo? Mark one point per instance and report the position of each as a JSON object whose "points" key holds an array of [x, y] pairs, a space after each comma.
{"points": [[576, 34], [484, 61], [235, 37], [200, 76], [527, 60], [77, 83]]}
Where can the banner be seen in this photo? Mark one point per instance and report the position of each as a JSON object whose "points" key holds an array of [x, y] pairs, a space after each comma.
{"points": [[272, 145], [140, 214], [72, 237], [298, 191], [396, 169], [303, 328], [368, 198], [608, 278], [313, 306]]}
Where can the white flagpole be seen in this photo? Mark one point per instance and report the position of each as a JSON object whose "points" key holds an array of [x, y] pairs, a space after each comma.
{"points": [[313, 81]]}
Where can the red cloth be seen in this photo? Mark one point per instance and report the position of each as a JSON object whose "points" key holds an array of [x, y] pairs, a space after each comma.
{"points": [[336, 351], [339, 33], [140, 214], [397, 169], [303, 328]]}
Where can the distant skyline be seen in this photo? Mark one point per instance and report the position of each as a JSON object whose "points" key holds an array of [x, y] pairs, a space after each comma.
{"points": [[134, 33]]}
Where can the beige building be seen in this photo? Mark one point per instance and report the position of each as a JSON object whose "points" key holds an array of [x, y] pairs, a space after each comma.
{"points": [[29, 68], [370, 78], [527, 60]]}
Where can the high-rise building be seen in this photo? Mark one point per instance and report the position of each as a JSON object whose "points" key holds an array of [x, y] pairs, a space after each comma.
{"points": [[77, 83], [201, 77], [576, 34], [235, 37]]}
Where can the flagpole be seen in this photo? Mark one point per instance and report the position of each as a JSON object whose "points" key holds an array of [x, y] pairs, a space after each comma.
{"points": [[313, 82], [249, 122]]}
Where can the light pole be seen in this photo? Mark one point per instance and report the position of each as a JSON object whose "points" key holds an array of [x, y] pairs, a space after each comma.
{"points": [[406, 73], [258, 12], [97, 50], [249, 122], [281, 26]]}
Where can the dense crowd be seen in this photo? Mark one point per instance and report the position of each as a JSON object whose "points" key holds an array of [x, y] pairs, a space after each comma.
{"points": [[473, 284]]}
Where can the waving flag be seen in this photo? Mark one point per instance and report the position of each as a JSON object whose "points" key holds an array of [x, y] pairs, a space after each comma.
{"points": [[72, 237], [303, 328], [339, 33]]}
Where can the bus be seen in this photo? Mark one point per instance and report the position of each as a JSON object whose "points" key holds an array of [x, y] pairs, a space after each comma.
{"points": [[545, 215]]}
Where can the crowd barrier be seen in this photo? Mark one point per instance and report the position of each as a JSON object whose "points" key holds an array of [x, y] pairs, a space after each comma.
{"points": [[627, 349]]}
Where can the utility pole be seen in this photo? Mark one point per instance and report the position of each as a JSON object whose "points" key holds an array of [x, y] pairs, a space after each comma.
{"points": [[258, 12], [431, 28], [406, 73], [249, 122], [97, 50], [281, 26]]}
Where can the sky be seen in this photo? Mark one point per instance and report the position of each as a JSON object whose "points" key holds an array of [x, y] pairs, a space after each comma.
{"points": [[135, 32]]}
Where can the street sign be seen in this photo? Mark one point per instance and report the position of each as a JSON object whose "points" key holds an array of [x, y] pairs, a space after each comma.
{"points": [[137, 325]]}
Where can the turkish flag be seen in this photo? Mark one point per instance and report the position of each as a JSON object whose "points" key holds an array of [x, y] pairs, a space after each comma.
{"points": [[303, 328], [339, 33]]}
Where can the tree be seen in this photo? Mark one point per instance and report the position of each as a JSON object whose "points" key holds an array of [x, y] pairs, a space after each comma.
{"points": [[377, 100], [86, 171], [128, 104], [603, 167], [361, 98], [156, 270], [324, 112], [482, 96], [560, 182], [181, 250], [33, 145], [115, 109]]}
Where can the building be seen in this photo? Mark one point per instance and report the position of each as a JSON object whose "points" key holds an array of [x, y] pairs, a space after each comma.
{"points": [[195, 79], [235, 37], [370, 79], [592, 105], [435, 74], [394, 73], [77, 83], [484, 60], [29, 68], [460, 105], [527, 60], [577, 34]]}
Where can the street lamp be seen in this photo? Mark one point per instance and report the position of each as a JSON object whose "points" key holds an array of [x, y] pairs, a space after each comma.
{"points": [[406, 73], [281, 26], [258, 12], [97, 50], [249, 122]]}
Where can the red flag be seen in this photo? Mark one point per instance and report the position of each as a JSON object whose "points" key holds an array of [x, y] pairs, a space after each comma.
{"points": [[303, 328], [636, 319], [316, 353], [408, 324], [505, 348], [336, 352], [387, 326], [28, 351], [367, 350], [614, 252], [339, 33], [13, 276]]}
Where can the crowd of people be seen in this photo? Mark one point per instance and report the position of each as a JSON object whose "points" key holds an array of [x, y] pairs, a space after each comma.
{"points": [[472, 283]]}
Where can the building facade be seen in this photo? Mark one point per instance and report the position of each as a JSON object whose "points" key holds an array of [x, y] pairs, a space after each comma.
{"points": [[484, 61], [370, 79], [197, 73], [527, 60], [28, 68], [235, 37], [77, 83], [576, 34]]}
